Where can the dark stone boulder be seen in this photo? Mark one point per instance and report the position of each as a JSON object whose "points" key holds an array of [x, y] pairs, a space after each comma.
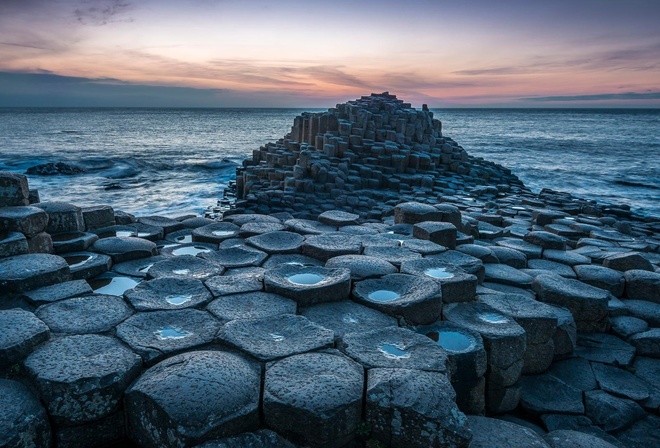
{"points": [[610, 412], [314, 398], [82, 378], [274, 337], [27, 220], [97, 313], [30, 271], [21, 332], [564, 438], [192, 398], [23, 420], [543, 394], [414, 212], [494, 433], [14, 190], [54, 169], [414, 409], [645, 310], [62, 217], [263, 438], [643, 285]]}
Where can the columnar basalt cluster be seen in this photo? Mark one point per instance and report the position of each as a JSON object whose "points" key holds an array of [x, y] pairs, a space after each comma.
{"points": [[360, 156], [415, 329]]}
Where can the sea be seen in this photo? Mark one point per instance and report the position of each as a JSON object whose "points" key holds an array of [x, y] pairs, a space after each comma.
{"points": [[179, 161]]}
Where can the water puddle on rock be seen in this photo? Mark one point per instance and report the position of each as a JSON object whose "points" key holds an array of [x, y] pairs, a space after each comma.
{"points": [[190, 250], [115, 286], [181, 271], [170, 332], [493, 318], [184, 239], [438, 273], [145, 269], [223, 233], [124, 233], [75, 261], [276, 337], [383, 295], [452, 341], [305, 279], [178, 299], [394, 351], [349, 319]]}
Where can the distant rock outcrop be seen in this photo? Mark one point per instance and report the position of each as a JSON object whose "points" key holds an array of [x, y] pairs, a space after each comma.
{"points": [[54, 169]]}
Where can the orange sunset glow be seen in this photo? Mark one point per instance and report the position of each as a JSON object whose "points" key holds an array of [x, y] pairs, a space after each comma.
{"points": [[306, 54]]}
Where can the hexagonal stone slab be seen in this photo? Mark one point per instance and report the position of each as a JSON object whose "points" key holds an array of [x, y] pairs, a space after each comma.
{"points": [[82, 378], [169, 225], [314, 398], [394, 348], [587, 303], [308, 226], [27, 220], [137, 230], [23, 420], [456, 284], [546, 394], [601, 277], [362, 266], [610, 412], [59, 291], [251, 305], [192, 398], [185, 266], [30, 271], [279, 242], [158, 334], [495, 433], [309, 284], [96, 313], [62, 217], [605, 348], [125, 248], [332, 244], [643, 285], [576, 439], [21, 332], [620, 382], [393, 255], [84, 265], [418, 300], [234, 282], [413, 408], [72, 241], [236, 257], [12, 243], [269, 338], [137, 268], [168, 294], [338, 218], [347, 317], [215, 233], [507, 275], [414, 212]]}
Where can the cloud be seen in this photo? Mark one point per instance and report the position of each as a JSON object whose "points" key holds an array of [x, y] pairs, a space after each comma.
{"points": [[598, 97], [101, 12], [494, 71]]}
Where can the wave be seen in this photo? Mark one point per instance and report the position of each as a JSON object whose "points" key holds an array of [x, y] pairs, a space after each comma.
{"points": [[630, 183]]}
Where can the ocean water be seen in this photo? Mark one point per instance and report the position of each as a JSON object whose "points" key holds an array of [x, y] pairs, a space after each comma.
{"points": [[176, 161]]}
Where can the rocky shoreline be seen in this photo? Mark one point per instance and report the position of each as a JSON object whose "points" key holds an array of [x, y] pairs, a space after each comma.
{"points": [[371, 285]]}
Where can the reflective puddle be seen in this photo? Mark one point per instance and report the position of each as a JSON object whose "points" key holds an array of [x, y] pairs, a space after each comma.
{"points": [[305, 279], [171, 333], [77, 260], [277, 337], [394, 351], [383, 295], [438, 273], [349, 319], [178, 299], [223, 233], [181, 271], [451, 340], [184, 239], [190, 250], [115, 286], [145, 269], [493, 318]]}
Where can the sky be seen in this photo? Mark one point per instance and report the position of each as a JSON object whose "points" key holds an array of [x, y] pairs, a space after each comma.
{"points": [[285, 53]]}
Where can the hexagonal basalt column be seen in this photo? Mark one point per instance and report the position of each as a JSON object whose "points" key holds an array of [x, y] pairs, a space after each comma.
{"points": [[587, 303], [137, 230], [414, 212], [236, 257], [62, 217], [394, 348], [251, 305], [27, 220], [156, 335], [21, 332], [413, 408], [72, 241], [194, 397], [269, 338], [23, 421], [418, 300], [82, 378], [185, 266], [347, 317], [14, 190], [362, 266], [442, 233], [168, 294], [189, 249], [309, 284], [84, 265], [393, 255], [215, 233], [279, 242], [95, 313], [125, 248], [30, 271], [457, 285], [314, 398], [328, 245]]}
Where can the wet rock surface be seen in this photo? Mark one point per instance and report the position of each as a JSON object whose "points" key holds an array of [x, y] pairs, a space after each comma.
{"points": [[549, 295]]}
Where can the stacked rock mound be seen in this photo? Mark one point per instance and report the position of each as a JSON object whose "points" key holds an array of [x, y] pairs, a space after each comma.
{"points": [[415, 329], [363, 156]]}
